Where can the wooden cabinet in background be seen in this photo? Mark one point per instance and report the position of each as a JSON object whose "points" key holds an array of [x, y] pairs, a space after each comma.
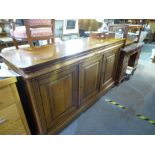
{"points": [[4, 28], [12, 118], [129, 57]]}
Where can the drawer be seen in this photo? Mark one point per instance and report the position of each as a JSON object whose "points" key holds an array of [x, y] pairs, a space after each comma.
{"points": [[6, 97], [16, 128], [10, 122]]}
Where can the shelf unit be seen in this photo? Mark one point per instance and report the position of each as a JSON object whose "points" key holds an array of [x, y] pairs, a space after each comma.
{"points": [[5, 26]]}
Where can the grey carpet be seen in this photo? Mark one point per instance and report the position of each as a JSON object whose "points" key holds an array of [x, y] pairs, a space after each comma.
{"points": [[137, 95], [146, 52]]}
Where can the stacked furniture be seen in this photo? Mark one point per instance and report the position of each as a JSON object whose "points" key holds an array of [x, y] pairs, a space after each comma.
{"points": [[5, 38], [4, 34], [4, 28], [129, 57], [130, 52]]}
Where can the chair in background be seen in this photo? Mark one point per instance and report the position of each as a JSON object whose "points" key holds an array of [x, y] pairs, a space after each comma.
{"points": [[34, 29], [116, 27], [121, 29]]}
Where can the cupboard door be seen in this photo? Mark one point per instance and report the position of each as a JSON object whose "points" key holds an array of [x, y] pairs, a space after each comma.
{"points": [[59, 95], [89, 74], [110, 60]]}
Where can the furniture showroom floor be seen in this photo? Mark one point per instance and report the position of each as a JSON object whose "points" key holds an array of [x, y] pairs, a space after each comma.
{"points": [[137, 95]]}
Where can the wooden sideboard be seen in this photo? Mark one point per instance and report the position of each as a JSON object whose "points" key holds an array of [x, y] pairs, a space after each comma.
{"points": [[12, 118], [64, 79]]}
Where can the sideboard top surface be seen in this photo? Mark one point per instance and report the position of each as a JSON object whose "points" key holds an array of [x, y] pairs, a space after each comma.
{"points": [[26, 57]]}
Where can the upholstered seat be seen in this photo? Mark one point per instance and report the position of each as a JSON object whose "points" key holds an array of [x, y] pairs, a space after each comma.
{"points": [[20, 32], [34, 29]]}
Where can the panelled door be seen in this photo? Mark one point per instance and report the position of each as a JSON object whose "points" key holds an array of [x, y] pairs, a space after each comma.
{"points": [[109, 66], [59, 95], [89, 78]]}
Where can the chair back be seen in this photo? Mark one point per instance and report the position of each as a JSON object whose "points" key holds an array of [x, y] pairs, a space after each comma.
{"points": [[38, 22], [116, 27], [34, 30], [41, 25]]}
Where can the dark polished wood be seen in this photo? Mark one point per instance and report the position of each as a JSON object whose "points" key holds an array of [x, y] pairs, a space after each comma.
{"points": [[64, 79], [129, 57]]}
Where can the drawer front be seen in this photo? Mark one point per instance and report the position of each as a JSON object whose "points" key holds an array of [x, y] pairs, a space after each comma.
{"points": [[10, 122], [6, 97], [15, 128]]}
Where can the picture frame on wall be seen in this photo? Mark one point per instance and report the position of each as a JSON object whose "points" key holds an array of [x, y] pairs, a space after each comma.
{"points": [[70, 27]]}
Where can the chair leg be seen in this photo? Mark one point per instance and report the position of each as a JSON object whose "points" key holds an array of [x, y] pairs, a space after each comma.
{"points": [[15, 43], [31, 44], [53, 40], [48, 41]]}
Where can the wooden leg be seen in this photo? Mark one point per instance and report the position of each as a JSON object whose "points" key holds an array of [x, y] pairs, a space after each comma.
{"points": [[53, 40], [15, 43], [31, 44], [48, 41]]}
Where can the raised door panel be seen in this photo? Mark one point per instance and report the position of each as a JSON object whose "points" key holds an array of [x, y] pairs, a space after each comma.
{"points": [[60, 90], [89, 79], [59, 95], [110, 60]]}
